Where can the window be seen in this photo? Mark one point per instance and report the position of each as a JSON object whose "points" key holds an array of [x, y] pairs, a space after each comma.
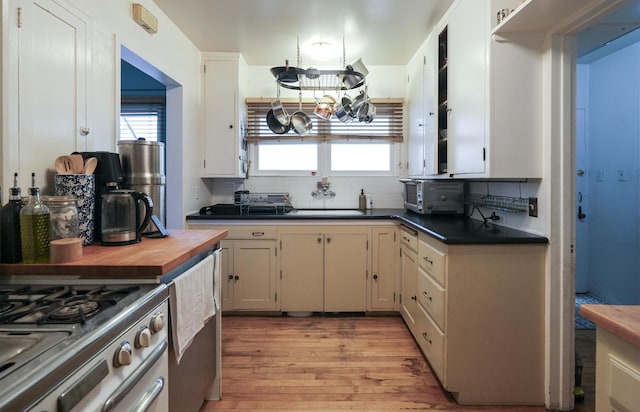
{"points": [[365, 157], [290, 157], [142, 119], [333, 147]]}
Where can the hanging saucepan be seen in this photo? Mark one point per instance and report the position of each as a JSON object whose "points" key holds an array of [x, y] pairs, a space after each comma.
{"points": [[351, 79], [300, 122], [279, 112], [275, 126], [342, 109], [360, 99], [324, 107], [367, 112]]}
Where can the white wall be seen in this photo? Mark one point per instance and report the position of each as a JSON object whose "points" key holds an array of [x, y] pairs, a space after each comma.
{"points": [[613, 141]]}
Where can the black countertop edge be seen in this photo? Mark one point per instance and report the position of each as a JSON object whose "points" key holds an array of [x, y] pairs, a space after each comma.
{"points": [[449, 229]]}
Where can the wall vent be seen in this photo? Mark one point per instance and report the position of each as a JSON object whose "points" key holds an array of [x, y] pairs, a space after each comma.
{"points": [[144, 18]]}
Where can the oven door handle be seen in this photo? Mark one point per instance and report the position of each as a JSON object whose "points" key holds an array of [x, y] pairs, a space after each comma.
{"points": [[134, 378], [150, 395]]}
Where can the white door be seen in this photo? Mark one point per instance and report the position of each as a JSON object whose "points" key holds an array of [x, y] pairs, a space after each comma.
{"points": [[52, 87]]}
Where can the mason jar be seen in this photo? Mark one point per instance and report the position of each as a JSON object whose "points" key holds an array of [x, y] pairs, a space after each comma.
{"points": [[64, 222]]}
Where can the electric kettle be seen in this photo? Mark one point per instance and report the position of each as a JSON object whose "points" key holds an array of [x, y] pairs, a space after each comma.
{"points": [[122, 220]]}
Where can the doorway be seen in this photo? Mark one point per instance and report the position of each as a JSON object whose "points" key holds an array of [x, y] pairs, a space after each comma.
{"points": [[172, 127], [607, 154]]}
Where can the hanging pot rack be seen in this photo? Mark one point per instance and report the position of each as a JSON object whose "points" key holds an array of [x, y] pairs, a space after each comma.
{"points": [[297, 78]]}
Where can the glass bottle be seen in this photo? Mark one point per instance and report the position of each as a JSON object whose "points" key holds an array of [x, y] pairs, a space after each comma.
{"points": [[10, 218], [34, 227]]}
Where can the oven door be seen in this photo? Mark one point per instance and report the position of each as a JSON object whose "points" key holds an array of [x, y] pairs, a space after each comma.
{"points": [[144, 391]]}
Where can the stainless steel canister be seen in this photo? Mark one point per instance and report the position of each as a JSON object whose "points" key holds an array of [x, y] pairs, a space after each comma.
{"points": [[143, 166]]}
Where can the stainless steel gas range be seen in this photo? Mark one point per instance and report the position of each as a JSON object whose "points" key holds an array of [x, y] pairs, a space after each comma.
{"points": [[83, 347]]}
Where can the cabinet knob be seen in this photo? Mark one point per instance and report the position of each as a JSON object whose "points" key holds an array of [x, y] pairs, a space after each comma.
{"points": [[375, 277], [236, 277], [426, 337], [414, 297], [328, 240], [230, 126], [319, 239], [230, 277]]}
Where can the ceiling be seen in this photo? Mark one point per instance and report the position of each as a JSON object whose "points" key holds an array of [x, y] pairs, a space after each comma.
{"points": [[381, 32], [597, 40]]}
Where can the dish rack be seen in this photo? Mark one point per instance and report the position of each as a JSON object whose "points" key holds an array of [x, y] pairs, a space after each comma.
{"points": [[276, 203], [504, 203]]}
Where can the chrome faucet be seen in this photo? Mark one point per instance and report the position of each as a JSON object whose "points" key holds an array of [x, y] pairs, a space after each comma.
{"points": [[322, 189]]}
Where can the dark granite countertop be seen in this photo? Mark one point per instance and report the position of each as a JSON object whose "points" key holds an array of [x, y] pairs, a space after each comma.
{"points": [[448, 229]]}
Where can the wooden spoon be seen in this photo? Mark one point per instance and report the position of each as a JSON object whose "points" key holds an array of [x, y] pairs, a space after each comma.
{"points": [[77, 163], [64, 165], [90, 166]]}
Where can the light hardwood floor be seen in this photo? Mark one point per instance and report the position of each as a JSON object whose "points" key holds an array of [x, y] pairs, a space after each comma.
{"points": [[331, 364]]}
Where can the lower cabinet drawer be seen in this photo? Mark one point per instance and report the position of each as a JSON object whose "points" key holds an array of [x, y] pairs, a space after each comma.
{"points": [[431, 341], [432, 260], [431, 297], [252, 232]]}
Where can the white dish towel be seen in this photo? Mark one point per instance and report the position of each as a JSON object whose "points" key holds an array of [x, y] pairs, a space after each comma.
{"points": [[192, 303]]}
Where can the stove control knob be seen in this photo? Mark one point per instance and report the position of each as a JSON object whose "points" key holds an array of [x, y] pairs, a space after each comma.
{"points": [[143, 338], [157, 322], [122, 356]]}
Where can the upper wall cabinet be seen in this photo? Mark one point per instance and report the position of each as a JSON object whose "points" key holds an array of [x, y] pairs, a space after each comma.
{"points": [[47, 92], [225, 145], [421, 111], [488, 94]]}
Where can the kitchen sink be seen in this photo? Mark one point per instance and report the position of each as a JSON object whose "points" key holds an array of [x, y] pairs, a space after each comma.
{"points": [[326, 212]]}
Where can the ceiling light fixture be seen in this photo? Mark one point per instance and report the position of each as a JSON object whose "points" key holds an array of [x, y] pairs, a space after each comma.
{"points": [[322, 51]]}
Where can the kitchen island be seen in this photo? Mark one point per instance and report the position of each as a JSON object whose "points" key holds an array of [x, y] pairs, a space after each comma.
{"points": [[617, 355]]}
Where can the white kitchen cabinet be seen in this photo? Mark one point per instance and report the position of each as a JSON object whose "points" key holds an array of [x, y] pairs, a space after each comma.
{"points": [[329, 273], [480, 308], [490, 102], [384, 269], [421, 142], [408, 276], [50, 87], [302, 272], [225, 144], [248, 267]]}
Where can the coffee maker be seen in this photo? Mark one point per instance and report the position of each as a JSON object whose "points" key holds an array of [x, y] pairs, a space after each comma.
{"points": [[109, 176]]}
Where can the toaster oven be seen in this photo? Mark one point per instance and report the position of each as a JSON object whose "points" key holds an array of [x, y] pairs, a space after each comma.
{"points": [[434, 196]]}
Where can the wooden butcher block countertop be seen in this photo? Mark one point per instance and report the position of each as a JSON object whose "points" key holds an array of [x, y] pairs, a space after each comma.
{"points": [[150, 259], [621, 320]]}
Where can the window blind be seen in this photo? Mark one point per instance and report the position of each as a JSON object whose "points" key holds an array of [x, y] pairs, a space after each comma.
{"points": [[143, 118], [387, 124]]}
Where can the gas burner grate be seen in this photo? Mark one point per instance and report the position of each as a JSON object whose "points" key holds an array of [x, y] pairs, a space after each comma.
{"points": [[58, 305]]}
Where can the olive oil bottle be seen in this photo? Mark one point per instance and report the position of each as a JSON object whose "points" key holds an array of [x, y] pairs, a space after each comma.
{"points": [[34, 227], [10, 218]]}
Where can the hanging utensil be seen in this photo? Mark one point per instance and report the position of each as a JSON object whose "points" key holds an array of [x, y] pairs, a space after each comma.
{"points": [[300, 122]]}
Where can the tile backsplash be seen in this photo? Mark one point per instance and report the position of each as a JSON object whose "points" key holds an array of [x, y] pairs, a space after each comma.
{"points": [[381, 191]]}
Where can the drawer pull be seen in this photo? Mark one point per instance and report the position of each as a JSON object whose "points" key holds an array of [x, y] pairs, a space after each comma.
{"points": [[429, 261], [427, 296], [424, 335], [257, 234], [406, 239]]}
